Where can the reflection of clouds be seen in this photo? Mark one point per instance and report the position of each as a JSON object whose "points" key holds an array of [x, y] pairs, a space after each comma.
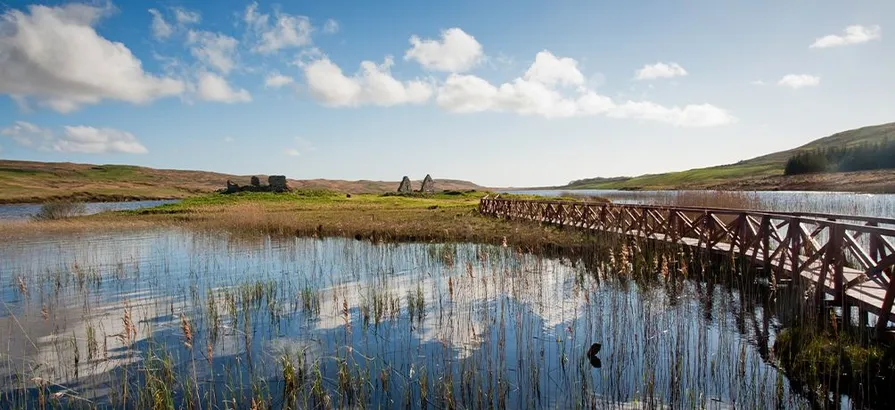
{"points": [[542, 287], [65, 336]]}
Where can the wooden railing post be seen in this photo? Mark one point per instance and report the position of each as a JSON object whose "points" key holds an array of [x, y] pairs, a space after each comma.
{"points": [[795, 238], [837, 240]]}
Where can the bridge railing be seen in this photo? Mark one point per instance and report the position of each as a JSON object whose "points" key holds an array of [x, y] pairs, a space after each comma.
{"points": [[838, 252]]}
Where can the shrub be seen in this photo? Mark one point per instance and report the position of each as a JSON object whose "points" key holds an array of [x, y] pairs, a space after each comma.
{"points": [[59, 210]]}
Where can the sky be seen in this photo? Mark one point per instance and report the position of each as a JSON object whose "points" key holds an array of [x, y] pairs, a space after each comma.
{"points": [[501, 93]]}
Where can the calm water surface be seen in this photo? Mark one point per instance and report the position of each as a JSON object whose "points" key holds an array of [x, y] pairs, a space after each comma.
{"points": [[408, 325], [25, 211]]}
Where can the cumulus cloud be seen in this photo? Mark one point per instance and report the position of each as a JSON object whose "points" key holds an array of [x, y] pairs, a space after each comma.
{"points": [[537, 93], [551, 70], [277, 80], [373, 84], [76, 139], [855, 34], [455, 52], [660, 70], [292, 152], [280, 31], [160, 28], [213, 87], [215, 50], [331, 26], [90, 140], [54, 55], [796, 81]]}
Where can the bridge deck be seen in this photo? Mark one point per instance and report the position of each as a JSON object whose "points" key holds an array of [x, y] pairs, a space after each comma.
{"points": [[833, 247]]}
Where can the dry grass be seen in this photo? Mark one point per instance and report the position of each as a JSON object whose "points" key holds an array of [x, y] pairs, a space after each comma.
{"points": [[34, 182], [371, 217]]}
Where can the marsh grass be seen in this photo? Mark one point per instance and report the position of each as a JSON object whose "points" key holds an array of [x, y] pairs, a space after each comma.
{"points": [[51, 211]]}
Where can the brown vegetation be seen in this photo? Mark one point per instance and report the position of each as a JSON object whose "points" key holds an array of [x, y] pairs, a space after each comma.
{"points": [[34, 182]]}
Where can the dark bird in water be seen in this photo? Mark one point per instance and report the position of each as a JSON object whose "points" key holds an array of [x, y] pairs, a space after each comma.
{"points": [[592, 355], [593, 350]]}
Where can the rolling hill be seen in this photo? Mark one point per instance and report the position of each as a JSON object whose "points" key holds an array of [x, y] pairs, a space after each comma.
{"points": [[766, 172], [26, 181]]}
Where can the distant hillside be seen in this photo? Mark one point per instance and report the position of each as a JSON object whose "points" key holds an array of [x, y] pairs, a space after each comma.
{"points": [[26, 181], [766, 172]]}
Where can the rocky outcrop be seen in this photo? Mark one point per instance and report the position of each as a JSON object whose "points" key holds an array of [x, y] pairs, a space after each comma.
{"points": [[428, 186], [405, 188]]}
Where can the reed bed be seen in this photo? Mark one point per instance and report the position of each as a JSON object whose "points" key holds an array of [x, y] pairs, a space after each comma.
{"points": [[193, 319], [265, 302]]}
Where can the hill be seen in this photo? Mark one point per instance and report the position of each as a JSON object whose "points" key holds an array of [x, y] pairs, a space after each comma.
{"points": [[27, 181], [766, 172]]}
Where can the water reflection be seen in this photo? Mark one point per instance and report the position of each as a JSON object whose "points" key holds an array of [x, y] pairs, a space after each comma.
{"points": [[224, 319]]}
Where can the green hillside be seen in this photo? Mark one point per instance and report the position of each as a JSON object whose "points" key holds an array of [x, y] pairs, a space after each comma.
{"points": [[28, 181], [769, 165]]}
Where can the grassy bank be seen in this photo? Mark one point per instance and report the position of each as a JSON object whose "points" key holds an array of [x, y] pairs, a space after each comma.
{"points": [[451, 217]]}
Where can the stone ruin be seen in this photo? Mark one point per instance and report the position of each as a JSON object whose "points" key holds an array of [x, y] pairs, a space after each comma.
{"points": [[405, 187], [428, 186], [275, 183]]}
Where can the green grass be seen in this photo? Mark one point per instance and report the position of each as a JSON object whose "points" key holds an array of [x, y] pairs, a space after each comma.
{"points": [[759, 167]]}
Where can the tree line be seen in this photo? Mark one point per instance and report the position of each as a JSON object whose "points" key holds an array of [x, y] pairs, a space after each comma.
{"points": [[861, 157]]}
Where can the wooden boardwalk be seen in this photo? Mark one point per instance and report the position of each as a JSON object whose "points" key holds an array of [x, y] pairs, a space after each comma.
{"points": [[850, 258]]}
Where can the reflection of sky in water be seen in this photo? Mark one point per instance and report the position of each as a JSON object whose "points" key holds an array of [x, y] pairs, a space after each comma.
{"points": [[515, 326]]}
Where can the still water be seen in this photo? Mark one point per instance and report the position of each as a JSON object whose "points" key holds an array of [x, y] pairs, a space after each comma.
{"points": [[844, 203], [187, 318], [25, 211]]}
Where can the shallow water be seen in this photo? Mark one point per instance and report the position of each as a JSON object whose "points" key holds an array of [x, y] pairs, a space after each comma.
{"points": [[388, 325], [25, 211]]}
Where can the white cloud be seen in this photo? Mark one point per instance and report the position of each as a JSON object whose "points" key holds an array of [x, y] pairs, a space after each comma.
{"points": [[213, 87], [286, 31], [186, 17], [855, 34], [374, 84], [78, 139], [160, 28], [693, 115], [456, 52], [28, 135], [550, 70], [54, 55], [660, 70], [215, 50], [796, 81], [229, 139], [536, 93], [90, 140], [757, 82], [292, 152], [331, 26], [277, 80]]}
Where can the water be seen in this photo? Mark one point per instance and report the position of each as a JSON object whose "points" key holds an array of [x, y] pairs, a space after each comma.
{"points": [[458, 325], [25, 211], [843, 203]]}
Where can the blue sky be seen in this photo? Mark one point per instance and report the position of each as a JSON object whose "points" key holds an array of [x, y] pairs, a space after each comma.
{"points": [[503, 93]]}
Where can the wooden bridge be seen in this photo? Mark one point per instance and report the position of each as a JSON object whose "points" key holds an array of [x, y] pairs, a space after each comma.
{"points": [[848, 257]]}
